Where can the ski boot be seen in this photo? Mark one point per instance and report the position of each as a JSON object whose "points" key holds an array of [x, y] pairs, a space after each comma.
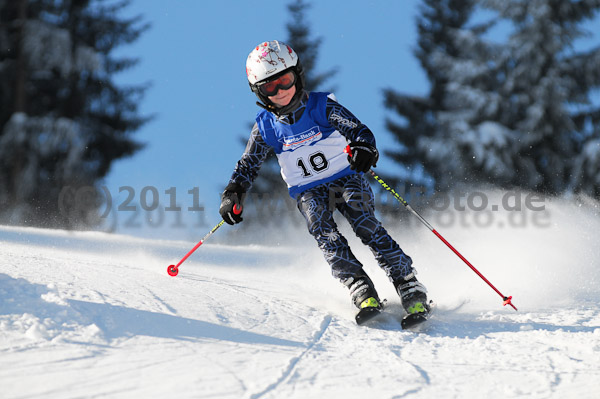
{"points": [[414, 300], [364, 296], [412, 293]]}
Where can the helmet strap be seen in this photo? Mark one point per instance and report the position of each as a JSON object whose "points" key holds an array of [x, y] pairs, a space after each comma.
{"points": [[269, 108]]}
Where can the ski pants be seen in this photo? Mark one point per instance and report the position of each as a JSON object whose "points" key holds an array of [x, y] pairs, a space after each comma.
{"points": [[353, 197]]}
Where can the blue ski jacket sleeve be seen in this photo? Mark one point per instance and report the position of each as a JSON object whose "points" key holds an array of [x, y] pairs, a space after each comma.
{"points": [[257, 149], [253, 157]]}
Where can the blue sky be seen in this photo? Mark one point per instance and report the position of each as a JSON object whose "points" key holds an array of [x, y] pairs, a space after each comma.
{"points": [[195, 56]]}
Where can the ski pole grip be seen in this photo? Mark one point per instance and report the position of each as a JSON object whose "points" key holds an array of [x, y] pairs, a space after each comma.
{"points": [[237, 209], [347, 150]]}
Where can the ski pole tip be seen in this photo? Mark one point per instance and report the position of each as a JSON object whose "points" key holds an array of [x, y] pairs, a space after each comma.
{"points": [[172, 270], [508, 301]]}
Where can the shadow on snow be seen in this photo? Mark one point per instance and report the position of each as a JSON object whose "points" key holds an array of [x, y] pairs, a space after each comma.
{"points": [[19, 296]]}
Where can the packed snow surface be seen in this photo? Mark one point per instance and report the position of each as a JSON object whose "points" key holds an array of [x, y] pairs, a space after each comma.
{"points": [[94, 315]]}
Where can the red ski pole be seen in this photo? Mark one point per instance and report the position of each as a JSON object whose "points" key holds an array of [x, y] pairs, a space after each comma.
{"points": [[507, 299], [173, 270]]}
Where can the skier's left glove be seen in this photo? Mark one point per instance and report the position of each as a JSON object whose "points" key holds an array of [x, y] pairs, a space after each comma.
{"points": [[363, 156], [231, 203]]}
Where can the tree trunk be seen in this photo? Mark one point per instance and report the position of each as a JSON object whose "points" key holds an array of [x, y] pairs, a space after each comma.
{"points": [[20, 73], [19, 98]]}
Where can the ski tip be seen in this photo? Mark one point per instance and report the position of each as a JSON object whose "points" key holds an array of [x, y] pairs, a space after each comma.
{"points": [[366, 314], [413, 320]]}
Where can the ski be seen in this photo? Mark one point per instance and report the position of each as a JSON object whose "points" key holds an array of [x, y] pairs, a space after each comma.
{"points": [[366, 314], [415, 320]]}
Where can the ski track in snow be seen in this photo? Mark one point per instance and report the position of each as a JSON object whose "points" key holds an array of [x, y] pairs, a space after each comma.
{"points": [[294, 361], [87, 315]]}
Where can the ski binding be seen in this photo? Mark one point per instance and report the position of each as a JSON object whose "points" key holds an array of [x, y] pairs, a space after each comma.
{"points": [[367, 313], [412, 321]]}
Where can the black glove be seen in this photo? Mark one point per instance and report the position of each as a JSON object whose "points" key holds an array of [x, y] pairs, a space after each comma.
{"points": [[231, 203], [362, 156]]}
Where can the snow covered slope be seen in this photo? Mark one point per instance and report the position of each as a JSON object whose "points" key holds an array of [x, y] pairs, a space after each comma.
{"points": [[94, 315]]}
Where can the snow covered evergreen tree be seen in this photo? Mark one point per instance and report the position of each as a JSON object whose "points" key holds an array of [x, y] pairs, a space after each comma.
{"points": [[514, 113], [62, 118], [545, 87], [418, 127], [299, 37]]}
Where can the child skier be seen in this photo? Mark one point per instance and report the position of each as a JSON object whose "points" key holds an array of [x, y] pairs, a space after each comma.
{"points": [[309, 133]]}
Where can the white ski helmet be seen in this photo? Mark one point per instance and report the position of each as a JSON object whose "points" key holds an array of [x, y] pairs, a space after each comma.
{"points": [[268, 61]]}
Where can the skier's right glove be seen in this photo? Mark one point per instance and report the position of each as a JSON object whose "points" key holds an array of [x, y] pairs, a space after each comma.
{"points": [[231, 203]]}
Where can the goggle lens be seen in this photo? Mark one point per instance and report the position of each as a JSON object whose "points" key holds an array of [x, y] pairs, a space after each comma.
{"points": [[283, 82]]}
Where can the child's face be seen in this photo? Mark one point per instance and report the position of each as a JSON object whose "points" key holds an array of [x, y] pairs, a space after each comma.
{"points": [[283, 97]]}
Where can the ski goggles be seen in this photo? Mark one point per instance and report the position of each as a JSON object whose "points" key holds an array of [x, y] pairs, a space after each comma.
{"points": [[283, 82]]}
